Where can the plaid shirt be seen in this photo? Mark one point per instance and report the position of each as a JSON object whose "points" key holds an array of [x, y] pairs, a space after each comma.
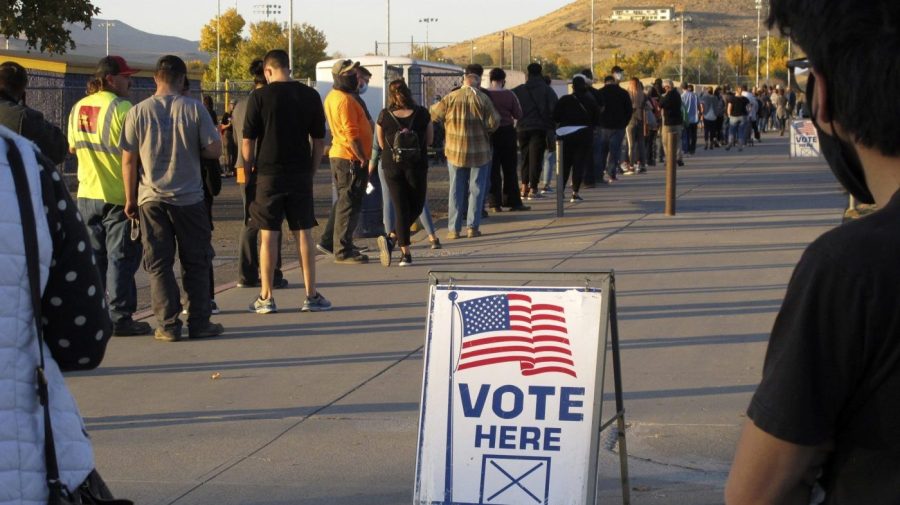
{"points": [[469, 119]]}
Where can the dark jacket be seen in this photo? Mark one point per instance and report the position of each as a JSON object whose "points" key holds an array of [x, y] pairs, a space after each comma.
{"points": [[617, 108], [31, 124], [576, 110], [671, 107], [538, 102]]}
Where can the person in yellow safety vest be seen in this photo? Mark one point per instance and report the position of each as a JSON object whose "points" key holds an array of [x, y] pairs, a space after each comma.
{"points": [[94, 133]]}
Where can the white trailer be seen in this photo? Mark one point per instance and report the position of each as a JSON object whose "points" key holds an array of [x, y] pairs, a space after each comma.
{"points": [[426, 79]]}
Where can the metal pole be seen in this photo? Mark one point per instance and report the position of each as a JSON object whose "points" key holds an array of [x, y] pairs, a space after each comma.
{"points": [[592, 35], [741, 63], [681, 67], [471, 52], [767, 56], [560, 181], [388, 27], [291, 38], [758, 13], [218, 41], [671, 141], [107, 39], [620, 402]]}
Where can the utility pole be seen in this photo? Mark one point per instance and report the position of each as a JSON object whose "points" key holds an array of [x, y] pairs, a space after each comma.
{"points": [[218, 41], [758, 14], [388, 28], [789, 59], [592, 36], [502, 47], [291, 38], [681, 66], [741, 62], [767, 56]]}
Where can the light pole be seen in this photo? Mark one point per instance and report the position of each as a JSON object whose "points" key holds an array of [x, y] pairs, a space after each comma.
{"points": [[592, 36], [291, 37], [758, 14], [105, 24], [388, 27], [472, 52], [741, 62], [427, 22], [681, 66]]}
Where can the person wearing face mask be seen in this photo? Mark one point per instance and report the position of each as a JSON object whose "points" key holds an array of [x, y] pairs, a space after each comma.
{"points": [[351, 146], [823, 422]]}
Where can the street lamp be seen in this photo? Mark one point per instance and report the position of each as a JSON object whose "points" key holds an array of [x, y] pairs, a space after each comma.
{"points": [[274, 10], [681, 66], [388, 27], [758, 14], [105, 24], [592, 36], [741, 62], [427, 22]]}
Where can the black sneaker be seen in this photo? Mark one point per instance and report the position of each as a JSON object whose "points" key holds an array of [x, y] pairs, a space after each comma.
{"points": [[131, 328], [356, 259], [280, 283], [247, 284], [324, 250], [406, 260], [207, 330]]}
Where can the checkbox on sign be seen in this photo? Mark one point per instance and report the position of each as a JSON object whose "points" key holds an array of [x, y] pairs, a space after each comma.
{"points": [[514, 480]]}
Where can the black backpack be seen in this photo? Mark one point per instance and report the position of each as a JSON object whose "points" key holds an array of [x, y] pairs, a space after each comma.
{"points": [[405, 148]]}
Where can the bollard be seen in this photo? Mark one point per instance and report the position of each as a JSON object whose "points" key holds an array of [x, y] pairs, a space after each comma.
{"points": [[671, 156], [560, 182]]}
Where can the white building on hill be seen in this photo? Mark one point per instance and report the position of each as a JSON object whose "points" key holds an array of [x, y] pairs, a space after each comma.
{"points": [[642, 14]]}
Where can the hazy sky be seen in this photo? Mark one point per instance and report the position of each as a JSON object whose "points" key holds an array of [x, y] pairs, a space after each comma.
{"points": [[350, 26]]}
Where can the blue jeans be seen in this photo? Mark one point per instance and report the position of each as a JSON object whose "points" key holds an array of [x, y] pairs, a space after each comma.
{"points": [[461, 179], [737, 126], [387, 208], [611, 148], [549, 166], [118, 257]]}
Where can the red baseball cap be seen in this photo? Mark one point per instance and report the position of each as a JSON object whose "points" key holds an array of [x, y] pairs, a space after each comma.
{"points": [[114, 65]]}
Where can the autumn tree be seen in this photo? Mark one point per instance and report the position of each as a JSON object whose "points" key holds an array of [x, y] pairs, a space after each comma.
{"points": [[230, 25], [742, 69], [43, 23]]}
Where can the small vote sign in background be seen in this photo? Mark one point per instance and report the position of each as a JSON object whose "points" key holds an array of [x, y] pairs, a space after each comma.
{"points": [[511, 396]]}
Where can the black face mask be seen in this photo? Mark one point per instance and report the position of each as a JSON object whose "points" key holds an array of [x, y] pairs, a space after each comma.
{"points": [[840, 155], [347, 82]]}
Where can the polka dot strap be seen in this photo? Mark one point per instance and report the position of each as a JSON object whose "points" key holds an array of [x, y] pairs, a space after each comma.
{"points": [[29, 235]]}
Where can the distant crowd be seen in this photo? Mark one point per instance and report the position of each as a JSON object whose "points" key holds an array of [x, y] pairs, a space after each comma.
{"points": [[148, 173]]}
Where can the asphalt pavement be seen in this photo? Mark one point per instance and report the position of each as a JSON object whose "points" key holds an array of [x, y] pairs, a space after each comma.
{"points": [[322, 408]]}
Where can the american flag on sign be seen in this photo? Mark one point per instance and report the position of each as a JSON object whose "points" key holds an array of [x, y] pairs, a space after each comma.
{"points": [[510, 328]]}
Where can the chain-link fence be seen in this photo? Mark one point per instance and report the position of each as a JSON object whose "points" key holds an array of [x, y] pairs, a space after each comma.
{"points": [[520, 53]]}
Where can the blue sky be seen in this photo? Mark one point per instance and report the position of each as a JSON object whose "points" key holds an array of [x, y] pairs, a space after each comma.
{"points": [[350, 26]]}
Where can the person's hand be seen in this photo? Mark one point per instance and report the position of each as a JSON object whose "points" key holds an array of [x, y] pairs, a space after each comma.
{"points": [[131, 210]]}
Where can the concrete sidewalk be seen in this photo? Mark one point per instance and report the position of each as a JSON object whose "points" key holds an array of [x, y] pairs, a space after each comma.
{"points": [[296, 408]]}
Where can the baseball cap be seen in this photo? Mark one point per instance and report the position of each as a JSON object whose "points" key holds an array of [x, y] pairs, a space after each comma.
{"points": [[343, 66], [113, 65]]}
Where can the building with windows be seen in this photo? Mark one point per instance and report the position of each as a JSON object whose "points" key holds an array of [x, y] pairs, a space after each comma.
{"points": [[642, 14]]}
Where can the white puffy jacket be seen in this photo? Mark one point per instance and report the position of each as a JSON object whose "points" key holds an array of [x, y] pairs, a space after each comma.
{"points": [[22, 470]]}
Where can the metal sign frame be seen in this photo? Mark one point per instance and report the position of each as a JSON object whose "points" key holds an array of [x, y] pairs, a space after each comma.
{"points": [[604, 281]]}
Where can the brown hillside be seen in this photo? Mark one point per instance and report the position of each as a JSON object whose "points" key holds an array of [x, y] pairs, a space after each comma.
{"points": [[566, 31]]}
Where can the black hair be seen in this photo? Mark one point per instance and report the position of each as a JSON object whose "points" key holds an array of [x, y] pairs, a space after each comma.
{"points": [[399, 95], [609, 79], [277, 58], [535, 69], [256, 69], [579, 84], [547, 80], [13, 79], [171, 69], [587, 73], [475, 68], [855, 47], [497, 75]]}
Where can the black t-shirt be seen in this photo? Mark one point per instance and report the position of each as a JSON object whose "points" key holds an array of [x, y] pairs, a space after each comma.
{"points": [[670, 103], [739, 105], [832, 369], [574, 110], [282, 117], [417, 122]]}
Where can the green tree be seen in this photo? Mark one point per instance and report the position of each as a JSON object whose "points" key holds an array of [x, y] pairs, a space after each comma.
{"points": [[483, 59], [43, 23], [309, 49], [733, 57], [231, 25]]}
